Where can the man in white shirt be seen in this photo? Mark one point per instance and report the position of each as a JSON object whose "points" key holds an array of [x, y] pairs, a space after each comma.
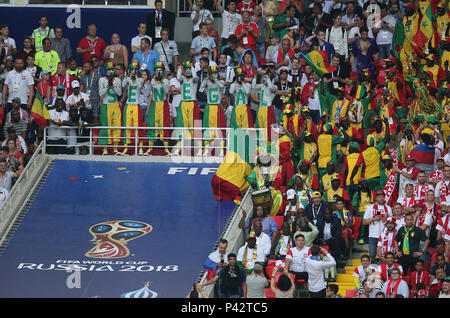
{"points": [[136, 41], [315, 268], [8, 43], [384, 28], [375, 216], [230, 20], [354, 33], [77, 98], [18, 83], [250, 254], [408, 200], [296, 256], [198, 16], [262, 239], [55, 135], [314, 101], [442, 189]]}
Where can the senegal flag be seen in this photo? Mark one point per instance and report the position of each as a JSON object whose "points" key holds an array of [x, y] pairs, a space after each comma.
{"points": [[39, 111], [425, 31], [230, 178], [318, 60]]}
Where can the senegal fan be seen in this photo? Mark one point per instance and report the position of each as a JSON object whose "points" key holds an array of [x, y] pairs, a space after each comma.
{"points": [[240, 90], [110, 114], [188, 112], [265, 116], [213, 116], [132, 112], [326, 145], [158, 112]]}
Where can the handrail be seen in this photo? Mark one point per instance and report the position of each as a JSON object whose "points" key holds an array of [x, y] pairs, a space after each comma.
{"points": [[23, 175]]}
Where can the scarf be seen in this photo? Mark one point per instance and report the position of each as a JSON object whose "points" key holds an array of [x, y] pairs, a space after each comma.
{"points": [[408, 202], [388, 246], [389, 187], [420, 193], [444, 191], [421, 220], [382, 213], [405, 244], [282, 246], [249, 265], [391, 290]]}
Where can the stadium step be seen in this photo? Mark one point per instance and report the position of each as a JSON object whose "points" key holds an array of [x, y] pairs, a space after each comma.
{"points": [[344, 278]]}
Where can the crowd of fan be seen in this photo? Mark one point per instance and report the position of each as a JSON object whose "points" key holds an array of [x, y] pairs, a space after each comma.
{"points": [[364, 140]]}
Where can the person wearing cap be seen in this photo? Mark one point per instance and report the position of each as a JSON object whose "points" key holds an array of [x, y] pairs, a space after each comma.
{"points": [[77, 99], [386, 240], [62, 78], [16, 105], [188, 111], [250, 254], [375, 216], [423, 293], [60, 94], [302, 191], [316, 208], [18, 83], [292, 209], [411, 243], [110, 87]]}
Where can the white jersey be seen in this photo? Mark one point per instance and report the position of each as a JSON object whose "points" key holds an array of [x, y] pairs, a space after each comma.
{"points": [[298, 258], [188, 86], [266, 91], [377, 227], [107, 94], [133, 88], [241, 93], [213, 90], [160, 90]]}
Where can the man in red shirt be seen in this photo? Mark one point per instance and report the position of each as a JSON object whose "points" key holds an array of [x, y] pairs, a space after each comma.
{"points": [[419, 276], [247, 32], [91, 45], [63, 78]]}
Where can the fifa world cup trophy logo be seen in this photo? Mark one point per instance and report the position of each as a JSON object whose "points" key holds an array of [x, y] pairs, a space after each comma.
{"points": [[111, 238]]}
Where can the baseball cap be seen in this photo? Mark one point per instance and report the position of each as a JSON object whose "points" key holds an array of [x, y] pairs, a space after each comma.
{"points": [[427, 131], [290, 194], [409, 157], [390, 220], [11, 130], [75, 84], [283, 69], [316, 194], [16, 99], [60, 86], [380, 192], [423, 292]]}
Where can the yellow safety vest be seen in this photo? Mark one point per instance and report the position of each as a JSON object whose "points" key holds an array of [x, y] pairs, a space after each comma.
{"points": [[38, 38]]}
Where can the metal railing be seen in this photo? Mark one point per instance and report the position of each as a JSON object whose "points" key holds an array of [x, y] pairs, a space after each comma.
{"points": [[185, 141]]}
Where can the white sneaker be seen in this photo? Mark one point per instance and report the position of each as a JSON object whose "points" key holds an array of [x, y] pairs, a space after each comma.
{"points": [[105, 152], [205, 153], [141, 152]]}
